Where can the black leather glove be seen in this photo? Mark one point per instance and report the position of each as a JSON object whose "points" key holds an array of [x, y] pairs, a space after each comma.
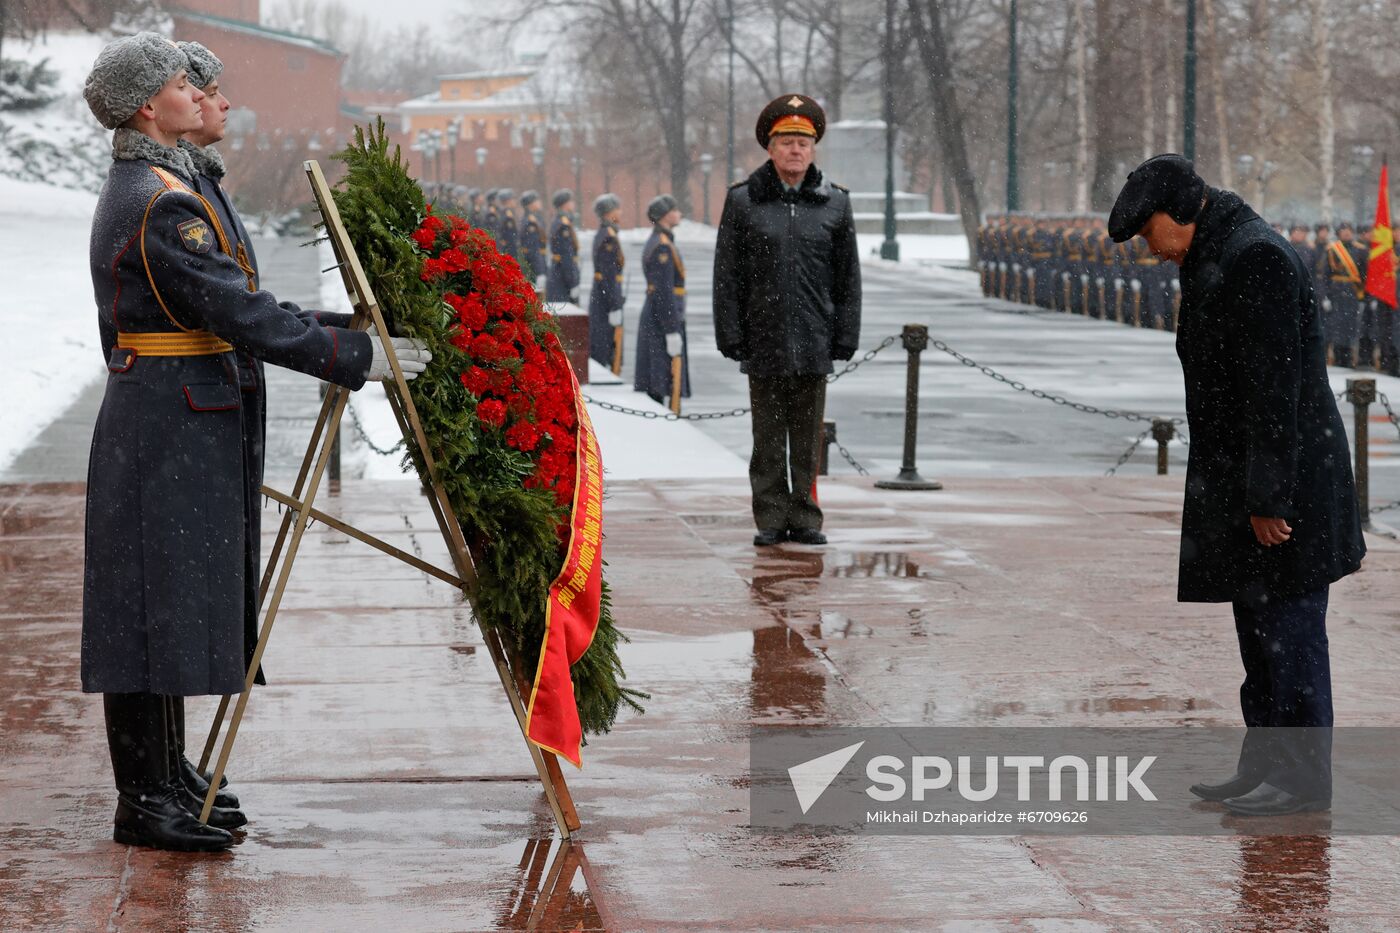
{"points": [[842, 353], [737, 353]]}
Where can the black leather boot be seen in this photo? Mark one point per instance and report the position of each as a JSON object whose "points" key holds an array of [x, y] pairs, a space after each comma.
{"points": [[219, 816], [197, 781], [150, 811]]}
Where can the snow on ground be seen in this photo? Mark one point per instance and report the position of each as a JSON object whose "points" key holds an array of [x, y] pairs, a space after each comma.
{"points": [[60, 143], [47, 302], [918, 249]]}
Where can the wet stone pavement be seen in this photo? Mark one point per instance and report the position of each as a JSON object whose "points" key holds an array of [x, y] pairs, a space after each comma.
{"points": [[388, 788]]}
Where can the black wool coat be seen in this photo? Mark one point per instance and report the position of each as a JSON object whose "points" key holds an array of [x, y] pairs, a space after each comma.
{"points": [[787, 275], [1266, 436]]}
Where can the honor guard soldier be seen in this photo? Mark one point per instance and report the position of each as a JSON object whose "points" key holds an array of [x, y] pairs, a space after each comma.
{"points": [[606, 299], [204, 72], [164, 587], [1298, 239], [1322, 235], [1345, 286], [474, 210], [1072, 292], [661, 327], [1366, 343], [532, 238], [508, 237], [563, 250], [787, 301], [491, 218]]}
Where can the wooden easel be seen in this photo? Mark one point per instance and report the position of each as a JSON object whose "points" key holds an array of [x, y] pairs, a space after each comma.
{"points": [[514, 678]]}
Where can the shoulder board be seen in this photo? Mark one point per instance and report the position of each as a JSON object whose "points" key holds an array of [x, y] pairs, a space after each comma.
{"points": [[170, 180], [566, 221], [840, 187], [664, 239], [738, 184]]}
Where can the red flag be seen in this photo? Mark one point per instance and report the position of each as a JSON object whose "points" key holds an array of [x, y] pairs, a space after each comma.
{"points": [[1380, 271], [571, 614]]}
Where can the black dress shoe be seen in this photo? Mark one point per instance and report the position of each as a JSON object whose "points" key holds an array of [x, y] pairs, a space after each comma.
{"points": [[806, 536], [160, 820], [1268, 800], [219, 817], [198, 783], [767, 537], [1233, 786]]}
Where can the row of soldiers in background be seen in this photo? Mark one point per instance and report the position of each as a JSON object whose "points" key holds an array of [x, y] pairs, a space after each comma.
{"points": [[1071, 264], [523, 238]]}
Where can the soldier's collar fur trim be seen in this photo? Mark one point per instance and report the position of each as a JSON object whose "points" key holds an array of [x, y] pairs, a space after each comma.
{"points": [[207, 160], [133, 145]]}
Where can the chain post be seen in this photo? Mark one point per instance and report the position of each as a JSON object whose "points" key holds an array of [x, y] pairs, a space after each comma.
{"points": [[1361, 393], [1162, 432], [915, 339], [828, 438], [334, 489]]}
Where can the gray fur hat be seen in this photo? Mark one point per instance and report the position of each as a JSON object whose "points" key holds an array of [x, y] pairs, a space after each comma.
{"points": [[660, 206], [505, 194], [561, 197], [605, 204], [203, 65], [529, 197], [128, 72]]}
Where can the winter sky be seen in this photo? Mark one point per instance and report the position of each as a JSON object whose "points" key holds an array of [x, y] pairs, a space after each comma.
{"points": [[409, 11]]}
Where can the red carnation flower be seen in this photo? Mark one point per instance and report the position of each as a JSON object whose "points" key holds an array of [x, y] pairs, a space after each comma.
{"points": [[491, 411]]}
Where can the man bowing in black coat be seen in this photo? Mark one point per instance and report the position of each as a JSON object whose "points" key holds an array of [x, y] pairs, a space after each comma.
{"points": [[1270, 518], [787, 303]]}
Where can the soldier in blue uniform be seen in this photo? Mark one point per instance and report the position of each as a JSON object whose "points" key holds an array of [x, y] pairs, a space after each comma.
{"points": [[474, 209], [508, 230], [532, 238], [605, 301], [491, 218], [563, 251], [661, 328], [1345, 286], [164, 590]]}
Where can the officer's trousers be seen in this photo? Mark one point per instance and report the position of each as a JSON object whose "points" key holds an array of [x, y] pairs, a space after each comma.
{"points": [[1286, 696], [787, 420]]}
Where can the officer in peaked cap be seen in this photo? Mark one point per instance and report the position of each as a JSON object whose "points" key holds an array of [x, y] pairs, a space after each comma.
{"points": [[508, 232], [786, 302], [795, 114]]}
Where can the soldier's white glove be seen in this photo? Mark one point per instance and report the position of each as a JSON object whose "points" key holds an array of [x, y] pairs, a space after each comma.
{"points": [[615, 318], [573, 297], [673, 344], [1327, 304], [413, 358], [539, 282]]}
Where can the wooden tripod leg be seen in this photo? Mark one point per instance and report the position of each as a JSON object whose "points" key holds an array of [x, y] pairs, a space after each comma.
{"points": [[676, 370], [341, 396]]}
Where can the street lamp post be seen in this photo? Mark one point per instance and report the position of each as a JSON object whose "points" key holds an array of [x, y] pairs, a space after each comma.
{"points": [[1361, 162], [1188, 97], [481, 164], [729, 129], [707, 162], [890, 248], [537, 153], [577, 162], [1047, 173], [1013, 195], [436, 136], [454, 133], [420, 143]]}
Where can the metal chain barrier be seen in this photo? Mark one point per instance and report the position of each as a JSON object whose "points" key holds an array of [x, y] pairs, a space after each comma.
{"points": [[364, 435], [664, 415], [869, 355], [846, 454], [1128, 454], [1048, 396], [1389, 413]]}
